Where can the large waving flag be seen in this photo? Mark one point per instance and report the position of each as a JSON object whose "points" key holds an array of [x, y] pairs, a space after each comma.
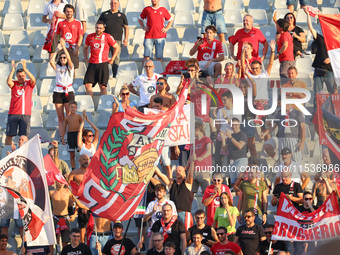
{"points": [[52, 172], [9, 208], [123, 165], [291, 225], [23, 171], [330, 26]]}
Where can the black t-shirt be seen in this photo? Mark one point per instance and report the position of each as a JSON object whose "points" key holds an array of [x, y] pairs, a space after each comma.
{"points": [[250, 238], [37, 250], [288, 189], [112, 247], [181, 195], [206, 233], [115, 23], [81, 249], [303, 210], [234, 152], [321, 54], [154, 252], [276, 247], [174, 233]]}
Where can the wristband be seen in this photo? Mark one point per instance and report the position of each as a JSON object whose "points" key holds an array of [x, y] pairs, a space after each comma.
{"points": [[273, 52], [265, 213]]}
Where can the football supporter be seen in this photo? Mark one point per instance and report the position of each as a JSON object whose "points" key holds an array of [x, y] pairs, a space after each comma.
{"points": [[158, 241], [276, 245], [224, 245], [102, 235], [251, 35], [76, 247], [168, 98], [211, 196], [155, 32], [98, 69], [213, 15], [197, 247], [120, 106], [209, 52], [3, 245], [80, 12], [19, 114], [71, 31]]}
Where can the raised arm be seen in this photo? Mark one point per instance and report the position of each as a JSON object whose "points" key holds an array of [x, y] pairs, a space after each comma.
{"points": [[272, 56], [29, 74], [96, 130], [80, 133], [69, 61], [310, 26], [10, 82]]}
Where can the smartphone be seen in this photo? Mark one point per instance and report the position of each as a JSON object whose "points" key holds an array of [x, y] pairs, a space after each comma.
{"points": [[199, 38], [276, 195]]}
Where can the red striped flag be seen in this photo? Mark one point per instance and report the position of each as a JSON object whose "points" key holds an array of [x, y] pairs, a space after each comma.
{"points": [[52, 172]]}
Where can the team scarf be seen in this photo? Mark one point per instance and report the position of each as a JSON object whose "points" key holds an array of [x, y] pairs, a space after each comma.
{"points": [[167, 228], [50, 34]]}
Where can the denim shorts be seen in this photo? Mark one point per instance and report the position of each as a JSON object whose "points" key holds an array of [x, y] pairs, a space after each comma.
{"points": [[159, 46], [302, 2], [216, 19], [5, 223]]}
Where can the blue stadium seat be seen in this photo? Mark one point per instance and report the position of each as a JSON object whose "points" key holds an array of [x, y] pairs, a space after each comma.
{"points": [[232, 5], [170, 52], [35, 6], [122, 80], [331, 3], [2, 40], [173, 81], [81, 70], [91, 21], [77, 83], [165, 4], [132, 18], [4, 89], [138, 37], [18, 38], [184, 19], [13, 7], [128, 68], [40, 55], [103, 119], [90, 5], [304, 65], [259, 16], [105, 103], [5, 70], [269, 32], [34, 22], [233, 18], [301, 18], [13, 22], [39, 38], [190, 35], [124, 54], [279, 4], [258, 4], [328, 10], [85, 102], [46, 71], [172, 36], [138, 53], [36, 120], [134, 6], [36, 104], [46, 88], [18, 52], [186, 49], [187, 5], [280, 15]]}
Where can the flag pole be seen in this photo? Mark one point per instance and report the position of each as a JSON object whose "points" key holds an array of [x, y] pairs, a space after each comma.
{"points": [[127, 228], [95, 228], [141, 232], [270, 247]]}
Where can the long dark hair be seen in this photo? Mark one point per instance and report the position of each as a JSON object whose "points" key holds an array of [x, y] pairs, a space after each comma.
{"points": [[59, 62], [289, 13], [229, 199], [85, 132]]}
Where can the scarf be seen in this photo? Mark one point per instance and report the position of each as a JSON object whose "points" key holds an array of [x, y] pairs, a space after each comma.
{"points": [[166, 228], [50, 34]]}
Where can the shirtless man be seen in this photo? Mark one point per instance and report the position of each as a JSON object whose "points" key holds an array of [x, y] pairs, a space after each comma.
{"points": [[104, 233], [77, 176], [323, 187], [213, 15], [3, 245], [60, 198], [168, 98]]}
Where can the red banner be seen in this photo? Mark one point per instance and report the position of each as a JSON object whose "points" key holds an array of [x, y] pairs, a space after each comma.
{"points": [[292, 225], [120, 170], [52, 172]]}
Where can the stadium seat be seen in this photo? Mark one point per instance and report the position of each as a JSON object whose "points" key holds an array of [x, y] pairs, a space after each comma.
{"points": [[63, 152], [170, 52], [190, 35], [187, 5], [105, 103], [36, 104], [2, 40], [18, 52], [18, 38], [85, 102], [34, 22], [52, 121], [280, 15], [134, 6], [301, 18], [13, 22], [96, 89], [4, 150], [4, 102], [172, 36], [122, 80], [134, 98], [46, 88], [233, 18], [232, 5], [4, 89], [327, 10], [80, 72], [40, 55], [186, 50], [13, 7], [5, 70], [138, 53], [39, 38], [269, 32], [2, 59], [128, 68], [46, 71], [42, 134], [138, 37], [103, 119], [49, 106], [184, 19], [106, 6], [132, 18], [304, 65], [279, 4], [90, 5], [259, 16], [165, 4], [3, 123], [331, 3], [124, 54], [173, 81], [91, 21], [258, 4], [35, 6], [158, 67], [36, 120], [77, 83]]}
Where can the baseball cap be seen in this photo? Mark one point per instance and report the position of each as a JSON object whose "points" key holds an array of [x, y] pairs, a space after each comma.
{"points": [[118, 225], [286, 151]]}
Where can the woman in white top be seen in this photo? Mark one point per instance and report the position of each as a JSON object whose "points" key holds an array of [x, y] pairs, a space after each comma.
{"points": [[63, 91], [87, 142]]}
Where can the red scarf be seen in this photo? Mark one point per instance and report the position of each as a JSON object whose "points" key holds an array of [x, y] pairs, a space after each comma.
{"points": [[166, 228], [50, 34]]}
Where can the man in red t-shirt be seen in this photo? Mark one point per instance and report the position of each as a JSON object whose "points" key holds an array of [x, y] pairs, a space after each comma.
{"points": [[211, 196], [224, 244], [19, 114], [72, 31], [209, 52], [155, 32], [248, 34], [285, 49], [98, 68]]}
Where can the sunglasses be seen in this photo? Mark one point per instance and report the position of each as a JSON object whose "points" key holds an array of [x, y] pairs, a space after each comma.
{"points": [[216, 180], [268, 233], [160, 83], [247, 217], [220, 234], [289, 17], [90, 135], [63, 58], [199, 217], [126, 94], [308, 198]]}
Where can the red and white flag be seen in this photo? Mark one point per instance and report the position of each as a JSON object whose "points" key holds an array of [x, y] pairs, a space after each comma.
{"points": [[52, 172], [23, 171], [330, 26], [292, 225]]}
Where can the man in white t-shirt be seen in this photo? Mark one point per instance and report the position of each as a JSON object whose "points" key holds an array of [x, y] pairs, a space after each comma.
{"points": [[154, 208], [299, 175], [147, 85]]}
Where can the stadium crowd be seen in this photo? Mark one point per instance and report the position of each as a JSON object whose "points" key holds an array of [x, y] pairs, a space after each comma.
{"points": [[235, 219]]}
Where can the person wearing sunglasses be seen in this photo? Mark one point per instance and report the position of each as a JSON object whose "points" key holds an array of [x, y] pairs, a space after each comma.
{"points": [[168, 98], [87, 141], [63, 92], [276, 245], [249, 235], [211, 196], [224, 244], [120, 106]]}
